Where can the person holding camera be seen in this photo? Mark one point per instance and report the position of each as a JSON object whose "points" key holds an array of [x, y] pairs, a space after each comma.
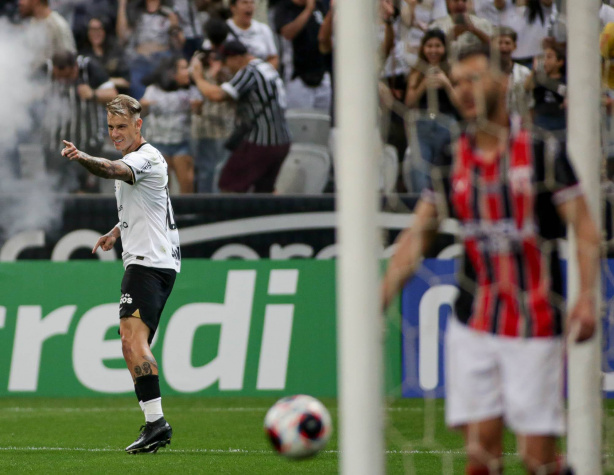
{"points": [[213, 123], [260, 140], [462, 29]]}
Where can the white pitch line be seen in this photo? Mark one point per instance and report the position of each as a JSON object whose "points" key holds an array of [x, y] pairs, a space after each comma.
{"points": [[242, 451], [217, 451], [185, 409]]}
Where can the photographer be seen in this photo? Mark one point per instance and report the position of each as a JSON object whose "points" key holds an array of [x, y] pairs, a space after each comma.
{"points": [[260, 140], [213, 124]]}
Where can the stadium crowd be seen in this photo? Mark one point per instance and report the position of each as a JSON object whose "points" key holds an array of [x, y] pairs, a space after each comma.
{"points": [[171, 55]]}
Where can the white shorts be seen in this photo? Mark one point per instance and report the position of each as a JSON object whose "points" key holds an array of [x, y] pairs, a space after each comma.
{"points": [[519, 379]]}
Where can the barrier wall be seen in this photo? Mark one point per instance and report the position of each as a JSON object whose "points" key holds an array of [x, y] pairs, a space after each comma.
{"points": [[229, 328], [426, 305]]}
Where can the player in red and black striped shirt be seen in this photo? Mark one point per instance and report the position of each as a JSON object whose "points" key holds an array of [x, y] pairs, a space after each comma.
{"points": [[512, 194]]}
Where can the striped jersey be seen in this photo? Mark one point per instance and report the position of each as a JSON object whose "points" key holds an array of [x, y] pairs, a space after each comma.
{"points": [[67, 115], [510, 276], [261, 102]]}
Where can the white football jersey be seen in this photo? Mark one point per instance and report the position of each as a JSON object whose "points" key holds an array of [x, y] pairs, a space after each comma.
{"points": [[146, 220]]}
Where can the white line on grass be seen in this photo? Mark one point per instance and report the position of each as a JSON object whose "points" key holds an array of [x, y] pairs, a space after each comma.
{"points": [[237, 451], [135, 408], [214, 451]]}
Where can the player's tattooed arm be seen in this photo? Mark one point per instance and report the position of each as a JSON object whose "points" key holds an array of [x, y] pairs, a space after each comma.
{"points": [[101, 167]]}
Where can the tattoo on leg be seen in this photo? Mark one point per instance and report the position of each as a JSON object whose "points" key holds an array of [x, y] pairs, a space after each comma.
{"points": [[146, 368], [137, 370], [151, 360]]}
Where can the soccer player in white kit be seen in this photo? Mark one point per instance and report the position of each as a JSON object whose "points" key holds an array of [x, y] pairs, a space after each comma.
{"points": [[151, 254]]}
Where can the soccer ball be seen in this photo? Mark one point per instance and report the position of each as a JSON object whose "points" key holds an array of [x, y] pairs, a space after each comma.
{"points": [[298, 426]]}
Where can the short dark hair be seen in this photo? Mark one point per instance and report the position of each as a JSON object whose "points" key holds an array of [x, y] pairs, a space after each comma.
{"points": [[506, 31], [233, 48], [216, 30], [64, 59]]}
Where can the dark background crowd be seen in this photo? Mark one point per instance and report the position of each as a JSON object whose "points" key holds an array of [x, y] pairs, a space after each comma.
{"points": [[167, 54]]}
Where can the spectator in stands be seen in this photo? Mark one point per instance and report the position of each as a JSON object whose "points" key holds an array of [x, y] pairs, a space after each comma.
{"points": [[299, 21], [213, 123], [99, 44], [191, 27], [416, 16], [144, 27], [105, 10], [261, 139], [256, 36], [533, 22], [495, 11], [462, 29], [549, 85], [52, 34], [394, 74], [431, 92], [519, 100], [79, 88], [169, 100]]}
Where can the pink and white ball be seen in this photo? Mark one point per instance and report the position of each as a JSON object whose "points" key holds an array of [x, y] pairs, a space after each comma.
{"points": [[298, 426]]}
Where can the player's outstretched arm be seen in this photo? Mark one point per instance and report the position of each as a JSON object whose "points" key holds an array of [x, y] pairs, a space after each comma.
{"points": [[116, 170], [107, 241], [582, 319], [411, 245]]}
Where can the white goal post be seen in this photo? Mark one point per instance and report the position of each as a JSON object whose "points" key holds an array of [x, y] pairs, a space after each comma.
{"points": [[360, 367], [584, 145]]}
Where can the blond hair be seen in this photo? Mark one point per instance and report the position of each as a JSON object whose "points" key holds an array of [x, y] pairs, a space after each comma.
{"points": [[124, 105]]}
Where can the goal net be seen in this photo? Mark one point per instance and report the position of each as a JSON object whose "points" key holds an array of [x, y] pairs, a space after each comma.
{"points": [[419, 122]]}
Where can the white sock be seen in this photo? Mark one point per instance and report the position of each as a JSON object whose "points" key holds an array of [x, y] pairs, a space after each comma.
{"points": [[142, 406], [153, 410]]}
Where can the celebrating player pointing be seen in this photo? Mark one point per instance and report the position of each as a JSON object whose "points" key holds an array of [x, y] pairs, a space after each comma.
{"points": [[512, 195], [151, 254]]}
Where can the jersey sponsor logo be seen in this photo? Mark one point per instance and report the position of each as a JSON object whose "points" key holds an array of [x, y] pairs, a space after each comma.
{"points": [[121, 207], [125, 298], [146, 167], [124, 224]]}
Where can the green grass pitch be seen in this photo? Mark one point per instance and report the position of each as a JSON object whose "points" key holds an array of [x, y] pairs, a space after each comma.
{"points": [[211, 435]]}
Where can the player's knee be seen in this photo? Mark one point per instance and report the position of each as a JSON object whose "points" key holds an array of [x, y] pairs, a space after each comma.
{"points": [[545, 467], [127, 345], [130, 341], [484, 452]]}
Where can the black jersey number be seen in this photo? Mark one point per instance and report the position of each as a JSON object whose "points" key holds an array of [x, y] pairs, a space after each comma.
{"points": [[170, 217]]}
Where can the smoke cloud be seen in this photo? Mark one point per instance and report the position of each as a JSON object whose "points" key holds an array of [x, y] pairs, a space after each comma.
{"points": [[28, 194]]}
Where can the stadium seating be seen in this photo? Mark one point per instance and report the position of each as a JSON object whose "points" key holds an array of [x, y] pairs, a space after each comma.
{"points": [[308, 126], [305, 170]]}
